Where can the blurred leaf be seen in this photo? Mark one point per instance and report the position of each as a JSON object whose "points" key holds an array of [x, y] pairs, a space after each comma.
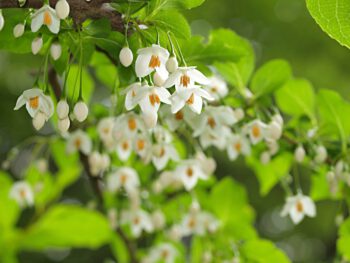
{"points": [[270, 77], [158, 6], [344, 239], [333, 17], [9, 210], [67, 226], [119, 249]]}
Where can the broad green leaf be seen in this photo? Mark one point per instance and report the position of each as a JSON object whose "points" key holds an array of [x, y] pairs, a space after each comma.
{"points": [[157, 6], [320, 187], [344, 239], [333, 17], [262, 251], [119, 249], [270, 174], [297, 98], [73, 84], [9, 210], [67, 226], [270, 77]]}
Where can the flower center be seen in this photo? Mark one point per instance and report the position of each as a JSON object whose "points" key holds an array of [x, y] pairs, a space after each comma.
{"points": [[238, 146], [154, 62], [154, 99], [77, 143], [299, 207], [123, 178], [140, 144], [132, 124], [214, 89], [189, 172], [125, 146], [22, 193], [192, 223], [136, 220], [256, 131], [34, 102], [165, 253], [185, 80], [47, 18], [211, 122], [179, 116], [105, 130], [133, 93], [190, 101]]}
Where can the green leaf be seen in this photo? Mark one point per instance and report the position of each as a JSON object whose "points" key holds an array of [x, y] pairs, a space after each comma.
{"points": [[262, 251], [119, 249], [9, 210], [270, 77], [297, 98], [270, 174], [344, 239], [67, 226], [157, 6], [73, 84], [333, 17]]}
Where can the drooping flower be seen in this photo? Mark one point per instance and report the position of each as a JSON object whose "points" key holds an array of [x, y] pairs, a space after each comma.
{"points": [[217, 88], [124, 148], [134, 93], [321, 154], [123, 177], [18, 30], [45, 16], [164, 252], [62, 9], [174, 121], [2, 20], [162, 153], [139, 220], [299, 154], [79, 141], [186, 77], [299, 206], [172, 64], [126, 57], [62, 109], [37, 44], [104, 129], [22, 193], [127, 125], [189, 172], [81, 111], [56, 50], [256, 131], [151, 59], [98, 163], [237, 144], [63, 124]]}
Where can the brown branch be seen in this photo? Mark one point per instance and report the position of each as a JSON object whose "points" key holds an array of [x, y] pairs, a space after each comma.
{"points": [[80, 10]]}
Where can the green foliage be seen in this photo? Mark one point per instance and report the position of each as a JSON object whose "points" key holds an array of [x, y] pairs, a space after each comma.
{"points": [[344, 239]]}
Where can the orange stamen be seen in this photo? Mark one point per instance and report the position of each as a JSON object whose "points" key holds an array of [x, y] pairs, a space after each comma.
{"points": [[34, 102], [154, 62]]}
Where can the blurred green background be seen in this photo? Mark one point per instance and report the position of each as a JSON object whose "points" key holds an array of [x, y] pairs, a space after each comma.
{"points": [[277, 29]]}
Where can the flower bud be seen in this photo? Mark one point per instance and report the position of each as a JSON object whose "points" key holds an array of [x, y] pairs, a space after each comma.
{"points": [[62, 9], [81, 111], [63, 125], [278, 118], [239, 113], [158, 219], [62, 109], [149, 119], [158, 79], [56, 51], [39, 120], [265, 157], [18, 30], [2, 20], [37, 44], [321, 154], [172, 64], [274, 130], [299, 154], [126, 57]]}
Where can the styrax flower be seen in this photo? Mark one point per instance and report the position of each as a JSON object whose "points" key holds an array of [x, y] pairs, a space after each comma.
{"points": [[298, 207], [134, 94], [22, 193], [104, 129], [172, 64], [62, 109], [45, 16], [299, 154], [186, 77], [81, 111], [162, 153], [56, 50], [79, 141], [124, 148], [126, 57], [164, 252], [37, 44], [139, 221], [237, 144], [2, 20], [150, 59], [189, 172], [98, 163], [217, 88], [62, 9], [18, 30], [256, 130], [124, 177]]}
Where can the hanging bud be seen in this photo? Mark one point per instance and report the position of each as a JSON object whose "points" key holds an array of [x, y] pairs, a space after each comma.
{"points": [[63, 125], [18, 30], [62, 109], [126, 57], [172, 64], [158, 79], [81, 111], [39, 120], [239, 113], [56, 51], [274, 130], [62, 9], [321, 154], [278, 118], [37, 44], [299, 154], [2, 20], [265, 157]]}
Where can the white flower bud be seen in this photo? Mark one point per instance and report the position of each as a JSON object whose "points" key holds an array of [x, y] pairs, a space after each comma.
{"points": [[37, 44], [172, 64], [321, 154], [149, 119], [56, 51], [81, 111], [158, 219], [274, 130], [273, 147], [278, 118], [265, 157], [158, 79], [195, 207], [105, 161], [239, 113], [299, 154], [339, 167], [42, 165], [62, 109], [126, 57], [62, 9], [39, 120], [18, 30], [2, 20], [63, 125]]}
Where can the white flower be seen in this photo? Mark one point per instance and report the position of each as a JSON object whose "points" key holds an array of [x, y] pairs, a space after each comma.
{"points": [[189, 172], [256, 130], [265, 157], [237, 144], [81, 111], [172, 64], [2, 20], [139, 221], [150, 59], [123, 177], [164, 252], [127, 125], [174, 121], [217, 138], [207, 164], [63, 124], [143, 147], [56, 49], [126, 57], [37, 44], [191, 97], [239, 113], [217, 88], [162, 153], [39, 120], [299, 154], [134, 93], [18, 30], [167, 179], [22, 193], [104, 129], [98, 163], [298, 206], [158, 219], [45, 16], [162, 135], [124, 148], [274, 131], [79, 141], [35, 101], [62, 9], [62, 109], [186, 77], [321, 154]]}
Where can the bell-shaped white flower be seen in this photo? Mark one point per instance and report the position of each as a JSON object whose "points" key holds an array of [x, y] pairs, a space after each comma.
{"points": [[62, 9], [164, 252], [63, 124], [299, 206], [150, 59], [62, 109], [124, 148], [124, 177], [274, 131], [2, 20], [127, 125], [256, 131], [56, 50], [239, 113], [79, 141], [162, 154], [174, 121], [265, 157], [237, 144], [22, 193], [143, 147], [45, 16], [158, 219], [217, 138], [98, 163], [105, 128], [37, 44], [35, 101], [186, 77], [191, 97], [172, 64], [299, 154], [81, 111], [207, 164], [159, 79], [126, 57], [18, 30], [134, 93], [139, 220], [217, 88], [39, 120], [321, 154], [189, 172]]}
